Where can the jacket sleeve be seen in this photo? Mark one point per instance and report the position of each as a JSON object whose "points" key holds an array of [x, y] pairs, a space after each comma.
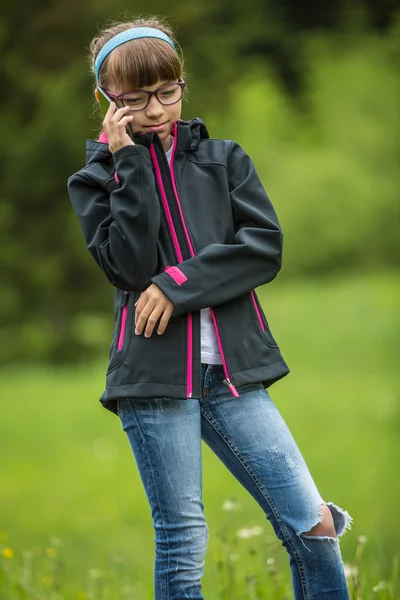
{"points": [[121, 228], [221, 272]]}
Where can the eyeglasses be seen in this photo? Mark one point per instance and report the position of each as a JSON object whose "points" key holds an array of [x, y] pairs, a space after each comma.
{"points": [[167, 94]]}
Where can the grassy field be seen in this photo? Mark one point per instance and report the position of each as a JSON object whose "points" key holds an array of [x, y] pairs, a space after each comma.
{"points": [[74, 520]]}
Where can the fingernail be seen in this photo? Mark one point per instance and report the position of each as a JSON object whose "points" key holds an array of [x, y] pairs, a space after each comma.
{"points": [[137, 332], [147, 335]]}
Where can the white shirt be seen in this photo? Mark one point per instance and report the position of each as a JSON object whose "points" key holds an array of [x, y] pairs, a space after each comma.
{"points": [[210, 353]]}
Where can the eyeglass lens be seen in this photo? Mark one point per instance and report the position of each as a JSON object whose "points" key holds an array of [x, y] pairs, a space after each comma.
{"points": [[167, 95]]}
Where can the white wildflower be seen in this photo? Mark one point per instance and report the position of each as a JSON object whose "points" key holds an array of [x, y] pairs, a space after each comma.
{"points": [[350, 571], [230, 504], [362, 540], [382, 585], [249, 533]]}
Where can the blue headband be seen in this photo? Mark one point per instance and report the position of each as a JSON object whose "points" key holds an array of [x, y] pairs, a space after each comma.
{"points": [[126, 36]]}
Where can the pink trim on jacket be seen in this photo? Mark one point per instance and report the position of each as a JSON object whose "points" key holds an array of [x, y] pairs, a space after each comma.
{"points": [[192, 252], [165, 203], [123, 327], [234, 391], [176, 191], [189, 376], [176, 274], [103, 138], [257, 311], [189, 363]]}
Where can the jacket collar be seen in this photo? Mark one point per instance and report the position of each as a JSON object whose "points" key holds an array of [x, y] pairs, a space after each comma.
{"points": [[189, 135]]}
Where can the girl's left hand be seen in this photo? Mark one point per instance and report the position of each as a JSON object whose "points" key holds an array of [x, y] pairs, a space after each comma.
{"points": [[152, 305]]}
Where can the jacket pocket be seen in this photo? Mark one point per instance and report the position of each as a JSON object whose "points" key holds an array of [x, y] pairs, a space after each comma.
{"points": [[260, 322], [123, 332]]}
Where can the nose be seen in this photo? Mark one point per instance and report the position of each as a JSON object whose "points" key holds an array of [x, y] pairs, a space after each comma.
{"points": [[154, 109]]}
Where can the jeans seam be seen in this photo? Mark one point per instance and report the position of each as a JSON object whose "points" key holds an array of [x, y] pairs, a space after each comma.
{"points": [[155, 493], [264, 493]]}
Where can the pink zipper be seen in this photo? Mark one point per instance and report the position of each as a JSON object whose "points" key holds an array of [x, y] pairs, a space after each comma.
{"points": [[171, 168], [227, 380], [189, 375], [123, 323], [257, 311], [165, 203], [189, 365]]}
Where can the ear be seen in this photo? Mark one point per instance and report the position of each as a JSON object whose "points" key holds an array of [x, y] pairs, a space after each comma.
{"points": [[96, 94]]}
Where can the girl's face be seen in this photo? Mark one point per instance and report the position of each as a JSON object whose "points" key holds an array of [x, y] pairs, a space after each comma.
{"points": [[155, 116]]}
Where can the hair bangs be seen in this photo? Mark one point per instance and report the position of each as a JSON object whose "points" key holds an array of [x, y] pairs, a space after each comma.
{"points": [[140, 63]]}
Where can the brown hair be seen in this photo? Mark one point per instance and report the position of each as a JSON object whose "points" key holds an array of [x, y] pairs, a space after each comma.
{"points": [[137, 63]]}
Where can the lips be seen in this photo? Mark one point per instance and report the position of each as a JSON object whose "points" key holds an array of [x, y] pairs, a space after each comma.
{"points": [[158, 127]]}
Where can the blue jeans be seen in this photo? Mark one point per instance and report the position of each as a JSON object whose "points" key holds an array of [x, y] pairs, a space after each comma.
{"points": [[252, 440]]}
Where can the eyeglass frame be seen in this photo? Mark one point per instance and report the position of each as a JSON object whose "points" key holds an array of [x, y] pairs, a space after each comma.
{"points": [[120, 97]]}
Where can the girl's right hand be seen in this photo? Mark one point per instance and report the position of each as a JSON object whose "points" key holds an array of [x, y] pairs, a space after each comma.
{"points": [[114, 125]]}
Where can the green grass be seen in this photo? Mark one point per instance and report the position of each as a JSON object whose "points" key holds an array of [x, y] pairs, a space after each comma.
{"points": [[70, 484]]}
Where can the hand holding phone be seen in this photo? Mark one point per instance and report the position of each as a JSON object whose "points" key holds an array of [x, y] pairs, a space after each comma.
{"points": [[116, 123]]}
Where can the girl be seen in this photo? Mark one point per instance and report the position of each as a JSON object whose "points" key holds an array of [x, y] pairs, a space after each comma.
{"points": [[182, 228]]}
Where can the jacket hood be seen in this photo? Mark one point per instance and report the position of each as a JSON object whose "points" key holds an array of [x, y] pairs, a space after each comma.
{"points": [[189, 135]]}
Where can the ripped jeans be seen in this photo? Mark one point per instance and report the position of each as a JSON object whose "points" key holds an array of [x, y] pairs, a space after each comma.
{"points": [[252, 440]]}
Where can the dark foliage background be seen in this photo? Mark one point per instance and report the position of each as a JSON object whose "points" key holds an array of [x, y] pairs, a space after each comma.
{"points": [[310, 89]]}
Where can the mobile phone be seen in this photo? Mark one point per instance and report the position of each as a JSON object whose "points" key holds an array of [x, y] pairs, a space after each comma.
{"points": [[104, 101]]}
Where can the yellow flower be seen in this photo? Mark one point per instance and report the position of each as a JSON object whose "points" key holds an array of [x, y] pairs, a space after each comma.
{"points": [[47, 580], [52, 552], [7, 553]]}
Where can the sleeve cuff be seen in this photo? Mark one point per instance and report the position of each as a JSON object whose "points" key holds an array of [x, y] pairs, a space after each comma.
{"points": [[168, 286], [130, 150]]}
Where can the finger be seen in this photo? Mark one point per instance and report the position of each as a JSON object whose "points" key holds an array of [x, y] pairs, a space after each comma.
{"points": [[123, 122], [165, 319], [139, 305], [110, 111], [120, 112], [152, 320], [142, 320]]}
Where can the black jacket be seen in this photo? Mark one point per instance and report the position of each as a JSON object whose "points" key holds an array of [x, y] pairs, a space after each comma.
{"points": [[205, 232]]}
